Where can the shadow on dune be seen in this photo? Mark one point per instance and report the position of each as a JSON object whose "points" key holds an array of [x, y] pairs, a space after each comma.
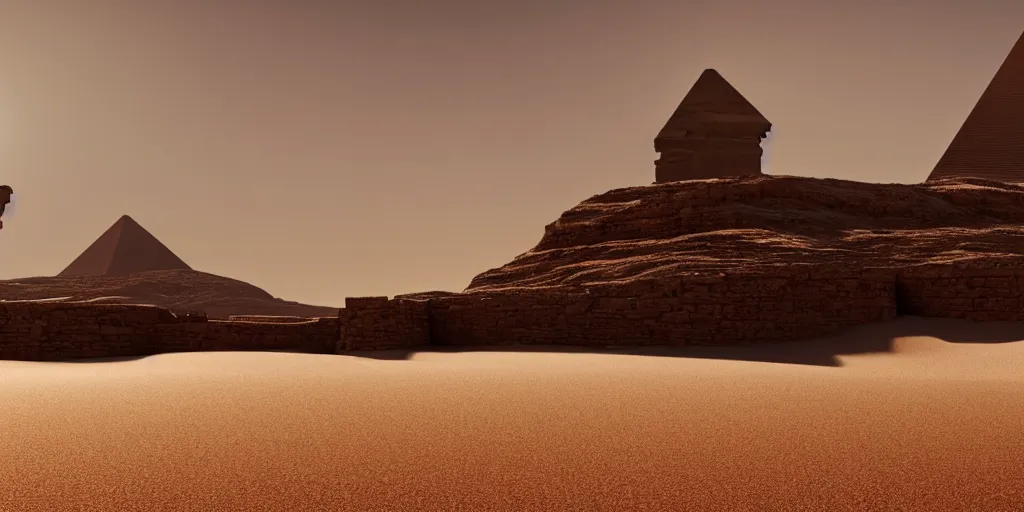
{"points": [[128, 359], [102, 360], [805, 353], [875, 338]]}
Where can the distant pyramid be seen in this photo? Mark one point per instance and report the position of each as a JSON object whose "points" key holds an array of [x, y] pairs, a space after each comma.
{"points": [[711, 99], [990, 144], [124, 248], [713, 133]]}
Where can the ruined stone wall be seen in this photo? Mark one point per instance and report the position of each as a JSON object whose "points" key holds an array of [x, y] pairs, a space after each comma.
{"points": [[377, 323], [981, 293], [695, 159], [317, 336], [34, 331], [708, 310], [713, 309]]}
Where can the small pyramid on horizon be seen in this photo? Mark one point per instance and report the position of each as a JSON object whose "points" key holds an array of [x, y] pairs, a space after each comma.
{"points": [[713, 133], [990, 144], [711, 97], [124, 248]]}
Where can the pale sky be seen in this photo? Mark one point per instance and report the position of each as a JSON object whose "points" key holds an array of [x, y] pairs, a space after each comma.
{"points": [[324, 149]]}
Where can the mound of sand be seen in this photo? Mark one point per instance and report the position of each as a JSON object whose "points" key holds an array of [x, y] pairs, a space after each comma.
{"points": [[758, 223], [177, 290]]}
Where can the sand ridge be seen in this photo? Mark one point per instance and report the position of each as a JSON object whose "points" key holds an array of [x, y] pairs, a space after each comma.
{"points": [[177, 290]]}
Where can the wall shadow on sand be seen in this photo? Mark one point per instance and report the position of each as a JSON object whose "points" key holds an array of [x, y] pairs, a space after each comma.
{"points": [[876, 338]]}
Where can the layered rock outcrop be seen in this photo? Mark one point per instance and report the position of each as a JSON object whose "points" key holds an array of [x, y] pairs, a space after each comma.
{"points": [[767, 226], [750, 260]]}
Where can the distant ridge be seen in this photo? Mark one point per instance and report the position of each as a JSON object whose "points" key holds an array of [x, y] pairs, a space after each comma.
{"points": [[125, 248], [989, 144]]}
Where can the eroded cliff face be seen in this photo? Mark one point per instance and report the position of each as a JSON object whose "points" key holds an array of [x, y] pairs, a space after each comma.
{"points": [[768, 225]]}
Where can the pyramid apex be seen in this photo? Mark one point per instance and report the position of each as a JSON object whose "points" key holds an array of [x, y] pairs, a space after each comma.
{"points": [[711, 73]]}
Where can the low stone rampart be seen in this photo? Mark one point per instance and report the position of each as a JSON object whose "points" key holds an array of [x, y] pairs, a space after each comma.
{"points": [[715, 309], [41, 331], [793, 303]]}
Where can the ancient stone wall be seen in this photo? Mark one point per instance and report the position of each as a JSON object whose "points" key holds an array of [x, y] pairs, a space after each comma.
{"points": [[698, 159], [980, 293], [711, 309], [706, 310], [317, 336], [36, 331], [377, 323]]}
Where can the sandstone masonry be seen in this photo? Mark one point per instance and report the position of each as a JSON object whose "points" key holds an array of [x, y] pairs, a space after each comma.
{"points": [[798, 302]]}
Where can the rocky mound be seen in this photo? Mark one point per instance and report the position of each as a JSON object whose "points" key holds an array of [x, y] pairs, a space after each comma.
{"points": [[177, 290], [756, 224]]}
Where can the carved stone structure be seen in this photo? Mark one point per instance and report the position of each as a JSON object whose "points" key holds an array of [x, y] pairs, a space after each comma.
{"points": [[989, 144], [714, 133]]}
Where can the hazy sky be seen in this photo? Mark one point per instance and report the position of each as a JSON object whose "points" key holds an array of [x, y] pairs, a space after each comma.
{"points": [[325, 149]]}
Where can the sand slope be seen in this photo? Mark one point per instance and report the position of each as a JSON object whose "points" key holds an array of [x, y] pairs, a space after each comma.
{"points": [[177, 290], [895, 419]]}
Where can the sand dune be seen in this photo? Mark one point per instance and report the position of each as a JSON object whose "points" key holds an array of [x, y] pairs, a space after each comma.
{"points": [[177, 290], [909, 415]]}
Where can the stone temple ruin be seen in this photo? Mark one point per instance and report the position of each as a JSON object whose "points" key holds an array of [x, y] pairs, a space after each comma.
{"points": [[714, 133]]}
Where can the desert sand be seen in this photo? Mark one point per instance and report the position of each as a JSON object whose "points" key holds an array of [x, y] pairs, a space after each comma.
{"points": [[914, 414]]}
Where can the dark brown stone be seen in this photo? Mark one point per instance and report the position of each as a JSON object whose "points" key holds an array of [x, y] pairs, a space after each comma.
{"points": [[715, 132]]}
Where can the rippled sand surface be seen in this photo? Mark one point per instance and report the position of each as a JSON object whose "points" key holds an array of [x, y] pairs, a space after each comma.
{"points": [[925, 424]]}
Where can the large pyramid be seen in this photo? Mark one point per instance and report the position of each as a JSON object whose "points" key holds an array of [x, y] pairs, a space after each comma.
{"points": [[124, 248], [990, 144]]}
